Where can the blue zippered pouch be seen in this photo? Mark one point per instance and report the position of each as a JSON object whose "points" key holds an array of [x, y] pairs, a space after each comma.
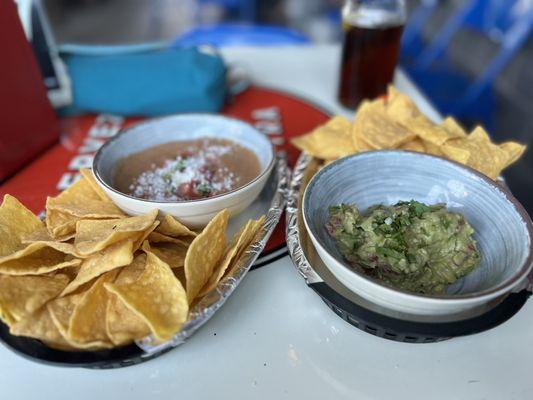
{"points": [[149, 83]]}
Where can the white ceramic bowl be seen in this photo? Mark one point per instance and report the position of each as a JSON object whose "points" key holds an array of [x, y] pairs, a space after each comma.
{"points": [[193, 213], [503, 229]]}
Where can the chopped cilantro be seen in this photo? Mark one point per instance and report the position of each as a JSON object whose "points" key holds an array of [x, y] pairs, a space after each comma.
{"points": [[204, 189], [418, 209], [388, 252], [167, 176]]}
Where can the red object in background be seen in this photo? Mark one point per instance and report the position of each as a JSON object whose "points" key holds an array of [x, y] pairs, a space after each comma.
{"points": [[279, 115], [28, 124]]}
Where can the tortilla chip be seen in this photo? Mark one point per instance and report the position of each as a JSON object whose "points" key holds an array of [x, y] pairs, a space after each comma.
{"points": [[89, 177], [170, 226], [16, 222], [89, 209], [87, 323], [156, 237], [61, 310], [156, 296], [40, 325], [479, 134], [43, 238], [238, 245], [117, 255], [329, 141], [204, 254], [79, 194], [95, 235], [453, 128], [433, 149], [21, 296], [123, 325], [358, 141], [414, 145], [513, 150], [428, 131], [36, 259], [377, 129], [485, 156], [79, 201], [397, 122], [132, 272], [456, 152], [39, 235], [71, 271], [399, 106], [17, 258], [404, 111], [61, 221], [144, 235], [489, 157], [171, 253], [61, 225]]}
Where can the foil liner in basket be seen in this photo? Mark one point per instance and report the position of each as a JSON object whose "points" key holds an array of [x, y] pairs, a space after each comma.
{"points": [[299, 179]]}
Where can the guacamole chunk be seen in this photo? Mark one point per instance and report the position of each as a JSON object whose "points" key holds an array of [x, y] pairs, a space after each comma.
{"points": [[410, 245]]}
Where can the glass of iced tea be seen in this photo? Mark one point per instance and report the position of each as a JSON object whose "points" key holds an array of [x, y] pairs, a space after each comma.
{"points": [[372, 32]]}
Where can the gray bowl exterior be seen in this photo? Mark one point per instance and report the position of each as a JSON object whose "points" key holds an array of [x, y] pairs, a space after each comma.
{"points": [[502, 228]]}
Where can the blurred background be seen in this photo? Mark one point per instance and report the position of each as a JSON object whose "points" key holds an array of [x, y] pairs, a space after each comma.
{"points": [[469, 57], [471, 33]]}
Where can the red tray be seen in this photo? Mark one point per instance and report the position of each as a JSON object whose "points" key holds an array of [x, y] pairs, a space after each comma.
{"points": [[279, 115]]}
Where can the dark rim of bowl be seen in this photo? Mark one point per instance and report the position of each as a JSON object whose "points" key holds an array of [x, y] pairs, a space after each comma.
{"points": [[524, 269], [158, 119]]}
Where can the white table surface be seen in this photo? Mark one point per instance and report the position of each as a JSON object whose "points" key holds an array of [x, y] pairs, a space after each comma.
{"points": [[275, 338]]}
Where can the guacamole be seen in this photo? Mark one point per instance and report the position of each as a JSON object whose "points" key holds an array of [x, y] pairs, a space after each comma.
{"points": [[410, 245]]}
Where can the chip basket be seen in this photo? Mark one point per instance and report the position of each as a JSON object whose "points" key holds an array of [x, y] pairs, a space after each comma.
{"points": [[369, 317], [271, 202]]}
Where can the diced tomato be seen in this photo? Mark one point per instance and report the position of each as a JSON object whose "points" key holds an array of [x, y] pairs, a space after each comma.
{"points": [[188, 190]]}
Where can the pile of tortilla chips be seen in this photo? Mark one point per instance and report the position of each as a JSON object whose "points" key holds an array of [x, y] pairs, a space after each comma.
{"points": [[91, 277], [395, 122]]}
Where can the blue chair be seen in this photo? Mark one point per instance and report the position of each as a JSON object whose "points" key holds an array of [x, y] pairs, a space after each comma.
{"points": [[246, 10], [412, 40], [452, 91], [241, 34]]}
